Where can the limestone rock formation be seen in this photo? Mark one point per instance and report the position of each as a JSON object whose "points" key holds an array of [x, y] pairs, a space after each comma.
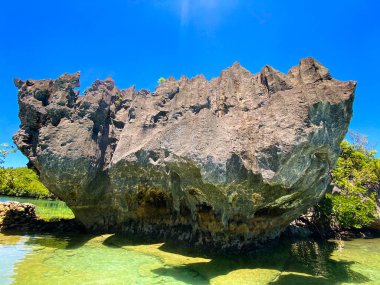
{"points": [[229, 162], [14, 214]]}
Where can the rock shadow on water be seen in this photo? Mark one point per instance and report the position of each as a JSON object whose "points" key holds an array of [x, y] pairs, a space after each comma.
{"points": [[296, 262], [68, 242]]}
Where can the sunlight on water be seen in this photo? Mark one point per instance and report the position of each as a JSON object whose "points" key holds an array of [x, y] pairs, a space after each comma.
{"points": [[12, 249], [108, 259]]}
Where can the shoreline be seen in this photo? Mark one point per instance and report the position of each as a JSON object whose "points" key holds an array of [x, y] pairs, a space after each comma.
{"points": [[21, 218], [29, 197]]}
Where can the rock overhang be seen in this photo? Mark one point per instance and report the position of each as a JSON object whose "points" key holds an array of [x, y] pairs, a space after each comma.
{"points": [[229, 161]]}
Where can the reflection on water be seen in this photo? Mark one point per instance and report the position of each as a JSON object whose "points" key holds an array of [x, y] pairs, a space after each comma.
{"points": [[11, 250], [109, 259]]}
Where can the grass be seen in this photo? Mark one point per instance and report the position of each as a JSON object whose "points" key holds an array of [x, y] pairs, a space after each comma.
{"points": [[45, 209], [49, 213]]}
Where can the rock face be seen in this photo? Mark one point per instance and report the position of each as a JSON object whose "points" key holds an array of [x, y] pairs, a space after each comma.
{"points": [[13, 214], [229, 162]]}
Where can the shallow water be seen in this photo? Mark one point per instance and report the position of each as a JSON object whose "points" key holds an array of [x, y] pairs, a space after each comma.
{"points": [[46, 209], [110, 259]]}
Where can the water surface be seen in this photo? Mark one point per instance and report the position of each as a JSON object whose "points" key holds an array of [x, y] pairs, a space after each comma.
{"points": [[46, 209], [111, 259]]}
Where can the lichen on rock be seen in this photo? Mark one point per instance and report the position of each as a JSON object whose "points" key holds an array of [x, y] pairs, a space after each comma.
{"points": [[228, 162]]}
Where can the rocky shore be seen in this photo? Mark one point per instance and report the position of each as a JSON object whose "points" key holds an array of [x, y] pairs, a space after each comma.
{"points": [[15, 216], [311, 225], [21, 217]]}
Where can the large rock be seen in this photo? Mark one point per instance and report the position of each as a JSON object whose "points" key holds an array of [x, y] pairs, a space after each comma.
{"points": [[230, 161]]}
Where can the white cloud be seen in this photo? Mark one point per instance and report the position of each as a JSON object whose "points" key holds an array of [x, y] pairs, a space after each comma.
{"points": [[184, 12], [205, 14]]}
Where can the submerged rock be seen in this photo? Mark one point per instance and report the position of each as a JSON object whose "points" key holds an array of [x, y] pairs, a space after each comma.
{"points": [[228, 162]]}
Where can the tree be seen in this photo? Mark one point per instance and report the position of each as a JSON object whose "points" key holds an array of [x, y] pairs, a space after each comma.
{"points": [[356, 175], [22, 182], [19, 181], [5, 149], [360, 142]]}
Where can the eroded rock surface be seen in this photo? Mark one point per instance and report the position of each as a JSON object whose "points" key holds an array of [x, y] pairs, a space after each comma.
{"points": [[230, 161]]}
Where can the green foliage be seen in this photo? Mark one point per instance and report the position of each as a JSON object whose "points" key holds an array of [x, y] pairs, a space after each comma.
{"points": [[356, 175], [161, 80], [5, 149], [376, 168], [22, 182], [48, 210], [118, 102], [352, 210], [118, 99]]}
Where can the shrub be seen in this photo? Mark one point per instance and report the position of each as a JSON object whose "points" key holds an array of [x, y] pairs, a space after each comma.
{"points": [[356, 175], [22, 182], [161, 80], [350, 211]]}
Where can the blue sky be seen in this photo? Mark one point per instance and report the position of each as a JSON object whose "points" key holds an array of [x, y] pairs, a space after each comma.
{"points": [[136, 42]]}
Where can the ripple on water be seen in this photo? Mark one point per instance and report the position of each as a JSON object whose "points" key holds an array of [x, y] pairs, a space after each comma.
{"points": [[12, 250], [84, 259], [108, 259]]}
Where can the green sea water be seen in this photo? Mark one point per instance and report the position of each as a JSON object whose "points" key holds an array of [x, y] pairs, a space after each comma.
{"points": [[111, 259]]}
